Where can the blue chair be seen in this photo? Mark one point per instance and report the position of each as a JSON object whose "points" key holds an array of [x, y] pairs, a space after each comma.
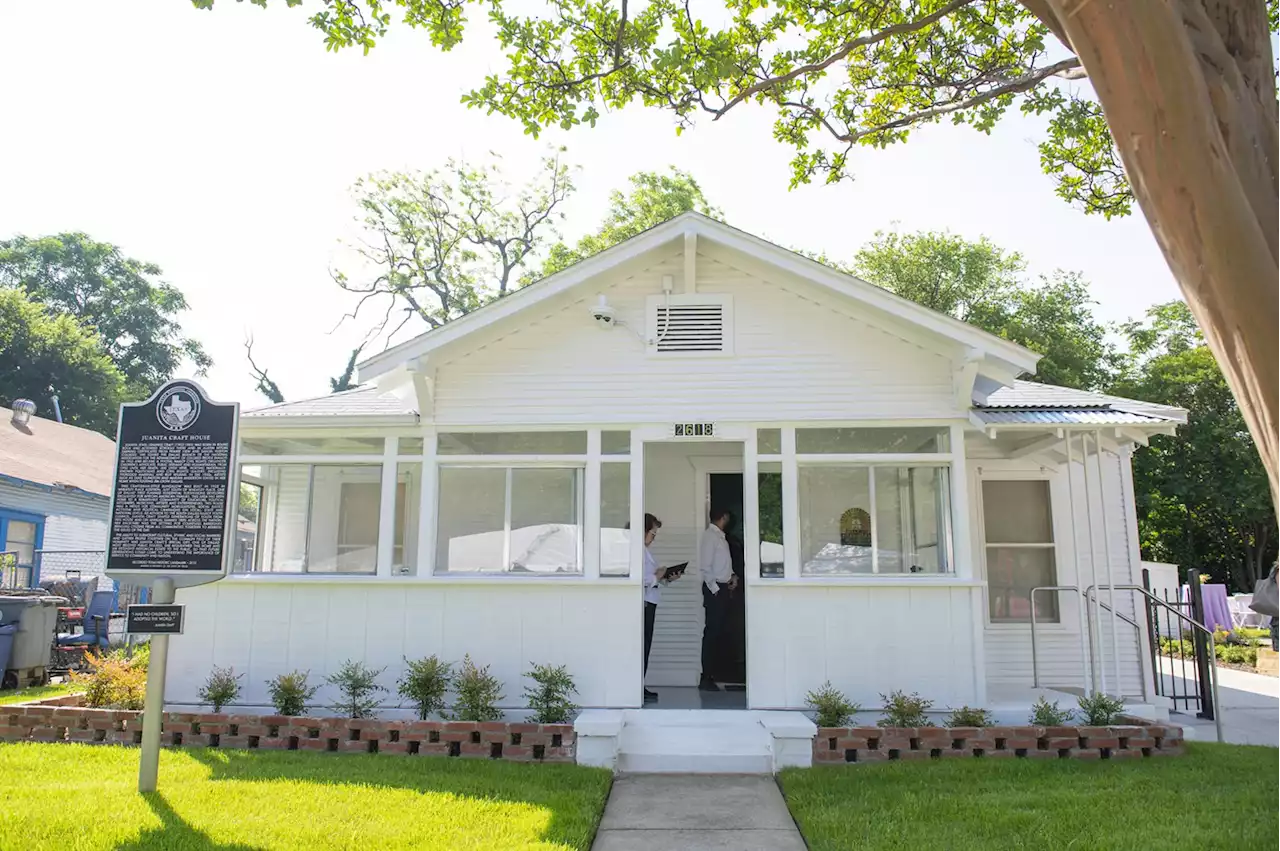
{"points": [[95, 625]]}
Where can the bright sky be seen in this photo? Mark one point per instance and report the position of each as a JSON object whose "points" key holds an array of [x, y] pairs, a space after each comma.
{"points": [[221, 145]]}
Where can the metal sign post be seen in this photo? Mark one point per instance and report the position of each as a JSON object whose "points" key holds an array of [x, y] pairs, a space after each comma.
{"points": [[173, 507]]}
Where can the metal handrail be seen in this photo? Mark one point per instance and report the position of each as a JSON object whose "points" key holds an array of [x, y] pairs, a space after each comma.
{"points": [[1085, 636], [1035, 661], [1213, 655]]}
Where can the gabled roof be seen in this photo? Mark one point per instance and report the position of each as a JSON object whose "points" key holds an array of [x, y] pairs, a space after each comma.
{"points": [[56, 455], [339, 408], [1006, 356]]}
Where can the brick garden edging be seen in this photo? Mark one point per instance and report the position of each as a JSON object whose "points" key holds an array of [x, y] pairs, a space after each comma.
{"points": [[879, 744], [516, 742]]}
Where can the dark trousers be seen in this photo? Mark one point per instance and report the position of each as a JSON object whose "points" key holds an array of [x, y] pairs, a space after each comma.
{"points": [[650, 612], [717, 611]]}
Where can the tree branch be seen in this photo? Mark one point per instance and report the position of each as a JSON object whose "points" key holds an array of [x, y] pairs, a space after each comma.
{"points": [[845, 49], [1021, 84]]}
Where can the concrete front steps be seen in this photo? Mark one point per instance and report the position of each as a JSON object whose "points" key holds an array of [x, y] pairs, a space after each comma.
{"points": [[694, 741]]}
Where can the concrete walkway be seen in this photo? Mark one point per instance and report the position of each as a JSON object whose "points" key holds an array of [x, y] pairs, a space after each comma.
{"points": [[1250, 709], [647, 812]]}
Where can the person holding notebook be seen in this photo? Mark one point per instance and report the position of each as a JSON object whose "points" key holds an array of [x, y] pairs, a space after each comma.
{"points": [[653, 579]]}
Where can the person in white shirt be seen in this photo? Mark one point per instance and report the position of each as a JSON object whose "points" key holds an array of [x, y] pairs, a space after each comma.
{"points": [[715, 568], [653, 580]]}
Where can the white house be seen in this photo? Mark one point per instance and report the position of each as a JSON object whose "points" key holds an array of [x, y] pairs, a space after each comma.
{"points": [[900, 492], [55, 485]]}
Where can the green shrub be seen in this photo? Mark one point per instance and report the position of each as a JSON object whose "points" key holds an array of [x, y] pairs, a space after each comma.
{"points": [[1231, 648], [222, 687], [290, 693], [1100, 710], [832, 707], [425, 684], [967, 716], [478, 693], [549, 696], [358, 685], [1238, 655], [905, 710], [1046, 714], [112, 682]]}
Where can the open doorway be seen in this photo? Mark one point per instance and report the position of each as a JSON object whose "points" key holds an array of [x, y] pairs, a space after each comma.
{"points": [[681, 479], [729, 667]]}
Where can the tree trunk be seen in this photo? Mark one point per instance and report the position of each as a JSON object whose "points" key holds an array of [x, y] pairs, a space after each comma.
{"points": [[1188, 89]]}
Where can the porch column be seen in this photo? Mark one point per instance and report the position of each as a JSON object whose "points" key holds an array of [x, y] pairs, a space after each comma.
{"points": [[387, 507], [751, 506], [962, 556], [790, 507], [427, 502], [636, 539], [591, 510]]}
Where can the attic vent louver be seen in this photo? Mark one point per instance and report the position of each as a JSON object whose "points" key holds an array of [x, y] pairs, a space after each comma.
{"points": [[694, 324]]}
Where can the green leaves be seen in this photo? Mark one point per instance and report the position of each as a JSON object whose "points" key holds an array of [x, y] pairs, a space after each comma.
{"points": [[654, 199], [134, 314], [983, 284], [47, 353], [1202, 493], [446, 242]]}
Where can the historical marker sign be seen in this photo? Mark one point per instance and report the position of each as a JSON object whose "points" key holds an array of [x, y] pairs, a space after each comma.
{"points": [[174, 497], [154, 619]]}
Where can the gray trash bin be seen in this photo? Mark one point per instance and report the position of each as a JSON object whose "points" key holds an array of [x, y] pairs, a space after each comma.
{"points": [[7, 633], [36, 616]]}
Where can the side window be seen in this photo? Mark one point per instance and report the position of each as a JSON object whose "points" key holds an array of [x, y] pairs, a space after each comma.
{"points": [[1018, 523]]}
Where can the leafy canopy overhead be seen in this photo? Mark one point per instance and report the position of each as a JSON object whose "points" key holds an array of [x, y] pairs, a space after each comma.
{"points": [[836, 74]]}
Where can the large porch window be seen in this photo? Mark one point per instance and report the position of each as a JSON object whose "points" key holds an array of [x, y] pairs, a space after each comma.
{"points": [[510, 520], [872, 519], [324, 518], [829, 502]]}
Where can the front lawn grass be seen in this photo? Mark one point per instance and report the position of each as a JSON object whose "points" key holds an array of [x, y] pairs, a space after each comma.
{"points": [[1216, 796], [83, 797], [22, 695]]}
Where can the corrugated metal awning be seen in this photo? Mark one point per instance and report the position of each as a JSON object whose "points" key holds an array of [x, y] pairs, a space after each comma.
{"points": [[1072, 416]]}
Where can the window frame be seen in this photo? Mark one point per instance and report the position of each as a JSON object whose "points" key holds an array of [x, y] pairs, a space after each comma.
{"points": [[520, 462], [8, 515], [1063, 545], [957, 542]]}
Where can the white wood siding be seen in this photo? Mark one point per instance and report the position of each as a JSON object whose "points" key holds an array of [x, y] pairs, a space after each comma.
{"points": [[867, 641], [559, 366], [266, 628], [72, 521], [1060, 652]]}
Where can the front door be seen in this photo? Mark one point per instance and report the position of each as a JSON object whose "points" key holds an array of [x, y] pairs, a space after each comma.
{"points": [[724, 490]]}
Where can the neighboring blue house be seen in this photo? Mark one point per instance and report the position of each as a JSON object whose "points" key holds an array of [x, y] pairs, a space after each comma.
{"points": [[55, 482]]}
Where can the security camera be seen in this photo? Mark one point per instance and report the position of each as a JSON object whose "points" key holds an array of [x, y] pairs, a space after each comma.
{"points": [[603, 314]]}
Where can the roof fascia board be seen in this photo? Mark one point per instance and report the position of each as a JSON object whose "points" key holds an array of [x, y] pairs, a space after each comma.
{"points": [[868, 293], [517, 301], [70, 490], [770, 273], [313, 422]]}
